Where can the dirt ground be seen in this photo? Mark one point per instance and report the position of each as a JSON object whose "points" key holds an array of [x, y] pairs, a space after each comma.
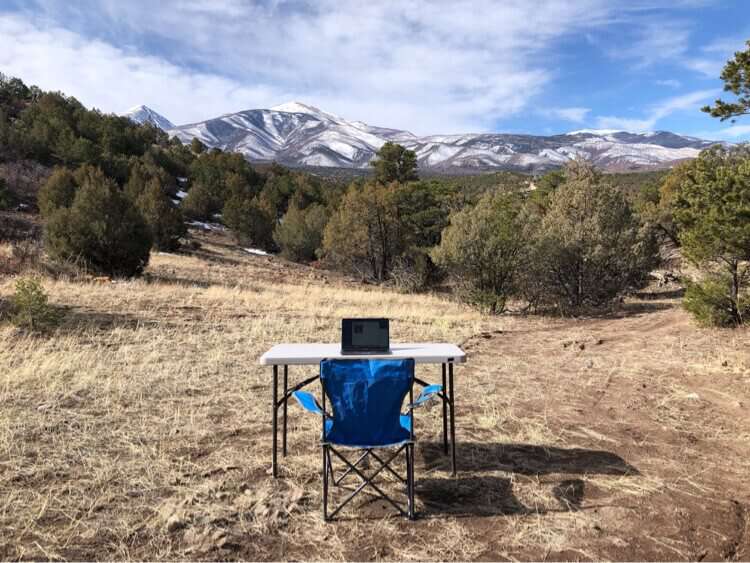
{"points": [[140, 429]]}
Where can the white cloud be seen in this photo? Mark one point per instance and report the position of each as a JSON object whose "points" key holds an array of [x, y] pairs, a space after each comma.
{"points": [[671, 83], [574, 114], [733, 133], [691, 101], [430, 67]]}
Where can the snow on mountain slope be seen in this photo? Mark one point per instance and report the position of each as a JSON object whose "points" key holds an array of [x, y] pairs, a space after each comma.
{"points": [[144, 114], [298, 134]]}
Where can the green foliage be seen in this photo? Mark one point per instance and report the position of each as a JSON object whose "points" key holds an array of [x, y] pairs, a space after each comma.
{"points": [[422, 212], [197, 146], [300, 233], [712, 213], [57, 192], [588, 248], [711, 304], [364, 235], [5, 195], [482, 250], [394, 163], [215, 177], [102, 228], [162, 217], [736, 77], [655, 202], [30, 307], [249, 221]]}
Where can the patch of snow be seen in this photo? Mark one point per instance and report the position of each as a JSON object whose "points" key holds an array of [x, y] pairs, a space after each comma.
{"points": [[257, 252], [207, 226]]}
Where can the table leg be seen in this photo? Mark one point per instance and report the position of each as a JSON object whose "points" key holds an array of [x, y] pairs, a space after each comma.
{"points": [[445, 413], [273, 419], [453, 417], [286, 387]]}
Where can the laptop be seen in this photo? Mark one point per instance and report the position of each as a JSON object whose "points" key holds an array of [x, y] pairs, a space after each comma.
{"points": [[365, 336]]}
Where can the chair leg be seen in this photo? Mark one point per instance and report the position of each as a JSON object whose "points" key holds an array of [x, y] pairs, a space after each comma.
{"points": [[410, 477], [326, 468]]}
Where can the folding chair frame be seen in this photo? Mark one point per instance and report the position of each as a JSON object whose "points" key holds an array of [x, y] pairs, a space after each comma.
{"points": [[365, 480]]}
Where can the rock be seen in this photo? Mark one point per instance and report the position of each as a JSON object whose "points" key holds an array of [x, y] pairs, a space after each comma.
{"points": [[692, 397]]}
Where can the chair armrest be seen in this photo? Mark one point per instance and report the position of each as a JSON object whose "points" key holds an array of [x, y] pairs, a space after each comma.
{"points": [[307, 401], [427, 393]]}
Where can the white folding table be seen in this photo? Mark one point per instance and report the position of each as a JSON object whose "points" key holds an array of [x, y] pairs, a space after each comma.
{"points": [[312, 354]]}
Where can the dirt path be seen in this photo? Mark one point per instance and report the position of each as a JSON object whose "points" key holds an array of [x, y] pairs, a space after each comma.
{"points": [[637, 425]]}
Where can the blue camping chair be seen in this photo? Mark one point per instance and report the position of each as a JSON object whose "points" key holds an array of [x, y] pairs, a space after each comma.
{"points": [[366, 400]]}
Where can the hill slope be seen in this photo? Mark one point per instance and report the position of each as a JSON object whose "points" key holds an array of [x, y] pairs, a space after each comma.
{"points": [[300, 135]]}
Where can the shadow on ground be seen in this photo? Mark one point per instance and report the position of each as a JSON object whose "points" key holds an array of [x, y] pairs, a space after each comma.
{"points": [[527, 459], [484, 495]]}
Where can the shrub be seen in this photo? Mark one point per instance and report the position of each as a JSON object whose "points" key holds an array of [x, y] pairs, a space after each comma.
{"points": [[482, 250], [712, 213], [588, 248], [249, 221], [200, 203], [102, 229], [414, 271], [162, 217], [30, 307], [710, 303], [300, 233], [5, 196], [58, 191]]}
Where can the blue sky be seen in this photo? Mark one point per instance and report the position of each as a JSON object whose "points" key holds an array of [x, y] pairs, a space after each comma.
{"points": [[522, 66]]}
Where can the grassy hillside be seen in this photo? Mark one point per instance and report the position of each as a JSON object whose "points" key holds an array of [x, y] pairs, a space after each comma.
{"points": [[140, 428]]}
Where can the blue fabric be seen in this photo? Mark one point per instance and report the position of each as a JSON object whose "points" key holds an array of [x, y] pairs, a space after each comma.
{"points": [[366, 398], [307, 401], [428, 393]]}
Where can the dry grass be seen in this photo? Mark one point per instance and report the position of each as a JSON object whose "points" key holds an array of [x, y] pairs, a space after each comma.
{"points": [[140, 429]]}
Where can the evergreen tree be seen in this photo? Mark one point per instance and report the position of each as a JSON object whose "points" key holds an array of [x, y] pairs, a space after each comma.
{"points": [[197, 146], [5, 195], [712, 212], [736, 77], [249, 221], [162, 217], [300, 233], [483, 248], [363, 235], [102, 228], [589, 247], [394, 163], [58, 191]]}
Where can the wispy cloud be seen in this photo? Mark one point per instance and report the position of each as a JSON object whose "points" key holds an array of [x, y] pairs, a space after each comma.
{"points": [[665, 108], [655, 41], [430, 67], [713, 56], [671, 83], [574, 114]]}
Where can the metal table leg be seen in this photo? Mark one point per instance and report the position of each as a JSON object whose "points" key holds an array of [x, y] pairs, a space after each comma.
{"points": [[273, 419], [286, 399], [445, 414], [453, 417]]}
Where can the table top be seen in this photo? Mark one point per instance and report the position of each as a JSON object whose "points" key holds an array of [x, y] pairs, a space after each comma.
{"points": [[312, 354]]}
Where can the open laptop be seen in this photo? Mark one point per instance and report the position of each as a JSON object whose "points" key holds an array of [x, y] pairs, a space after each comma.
{"points": [[365, 336]]}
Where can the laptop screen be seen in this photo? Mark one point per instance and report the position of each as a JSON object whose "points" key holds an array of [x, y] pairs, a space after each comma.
{"points": [[364, 335]]}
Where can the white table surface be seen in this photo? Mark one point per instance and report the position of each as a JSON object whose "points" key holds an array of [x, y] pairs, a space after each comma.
{"points": [[312, 354]]}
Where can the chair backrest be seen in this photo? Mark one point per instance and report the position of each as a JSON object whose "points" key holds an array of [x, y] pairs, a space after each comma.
{"points": [[366, 398]]}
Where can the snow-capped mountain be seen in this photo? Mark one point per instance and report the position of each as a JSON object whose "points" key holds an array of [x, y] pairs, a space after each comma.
{"points": [[144, 114], [296, 134]]}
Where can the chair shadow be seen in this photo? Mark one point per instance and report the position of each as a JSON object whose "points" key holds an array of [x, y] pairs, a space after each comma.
{"points": [[527, 459], [483, 495]]}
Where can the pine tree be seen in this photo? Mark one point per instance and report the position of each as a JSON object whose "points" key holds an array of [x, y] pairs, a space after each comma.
{"points": [[102, 228]]}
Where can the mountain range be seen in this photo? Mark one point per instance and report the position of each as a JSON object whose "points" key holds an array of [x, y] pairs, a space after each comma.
{"points": [[299, 135]]}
